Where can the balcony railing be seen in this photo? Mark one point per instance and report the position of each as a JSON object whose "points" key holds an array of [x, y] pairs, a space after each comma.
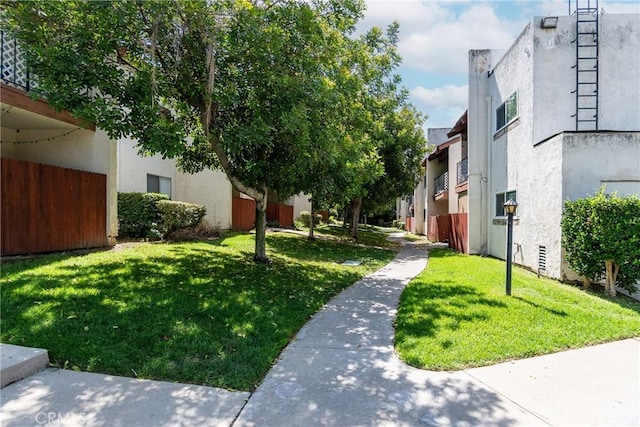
{"points": [[463, 170], [13, 69], [441, 184]]}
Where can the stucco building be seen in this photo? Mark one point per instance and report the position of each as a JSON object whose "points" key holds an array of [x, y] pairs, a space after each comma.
{"points": [[553, 118], [59, 188]]}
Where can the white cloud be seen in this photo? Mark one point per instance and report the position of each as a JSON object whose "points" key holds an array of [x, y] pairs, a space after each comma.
{"points": [[443, 47], [448, 96], [443, 105]]}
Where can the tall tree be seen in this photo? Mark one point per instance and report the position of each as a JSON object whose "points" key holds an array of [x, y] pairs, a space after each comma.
{"points": [[229, 84], [394, 127], [401, 145]]}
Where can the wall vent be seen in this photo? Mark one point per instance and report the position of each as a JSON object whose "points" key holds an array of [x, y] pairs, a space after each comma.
{"points": [[542, 259]]}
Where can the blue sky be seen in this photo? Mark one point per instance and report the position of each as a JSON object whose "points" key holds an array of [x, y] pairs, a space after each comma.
{"points": [[435, 37]]}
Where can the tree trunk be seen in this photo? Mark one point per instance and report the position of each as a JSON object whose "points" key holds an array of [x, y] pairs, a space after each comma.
{"points": [[357, 204], [612, 271], [312, 222], [347, 215], [260, 254], [586, 283]]}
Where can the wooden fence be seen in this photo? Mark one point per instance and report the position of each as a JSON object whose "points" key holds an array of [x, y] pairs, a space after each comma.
{"points": [[452, 228], [280, 213], [458, 232], [243, 214], [438, 228], [47, 208]]}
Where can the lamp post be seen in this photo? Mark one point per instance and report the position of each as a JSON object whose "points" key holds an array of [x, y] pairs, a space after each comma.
{"points": [[510, 207]]}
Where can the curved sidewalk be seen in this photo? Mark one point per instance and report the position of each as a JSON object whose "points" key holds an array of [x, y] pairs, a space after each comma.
{"points": [[341, 370]]}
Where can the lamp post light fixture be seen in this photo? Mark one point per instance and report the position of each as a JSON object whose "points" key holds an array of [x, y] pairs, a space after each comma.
{"points": [[510, 207]]}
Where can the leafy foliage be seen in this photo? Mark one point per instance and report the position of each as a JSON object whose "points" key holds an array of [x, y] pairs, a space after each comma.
{"points": [[280, 95], [601, 236], [138, 214], [177, 215]]}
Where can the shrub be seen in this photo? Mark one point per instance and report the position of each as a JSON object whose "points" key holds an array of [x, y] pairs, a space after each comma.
{"points": [[601, 236], [178, 215], [305, 218], [138, 215], [203, 230], [398, 224]]}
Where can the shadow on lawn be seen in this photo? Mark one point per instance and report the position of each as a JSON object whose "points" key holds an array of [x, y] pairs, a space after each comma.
{"points": [[196, 312], [457, 303]]}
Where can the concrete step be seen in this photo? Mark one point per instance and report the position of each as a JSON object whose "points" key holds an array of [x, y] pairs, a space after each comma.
{"points": [[18, 362]]}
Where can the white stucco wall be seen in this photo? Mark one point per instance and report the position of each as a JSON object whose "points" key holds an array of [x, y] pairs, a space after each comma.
{"points": [[82, 149], [593, 159], [133, 168], [455, 155], [619, 72], [211, 189], [300, 203], [419, 206], [540, 207], [546, 170], [480, 134], [554, 56]]}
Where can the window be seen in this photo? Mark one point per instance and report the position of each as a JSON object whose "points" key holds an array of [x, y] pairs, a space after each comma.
{"points": [[158, 184], [501, 198], [507, 111]]}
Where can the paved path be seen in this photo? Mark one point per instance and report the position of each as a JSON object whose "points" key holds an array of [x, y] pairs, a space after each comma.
{"points": [[341, 370]]}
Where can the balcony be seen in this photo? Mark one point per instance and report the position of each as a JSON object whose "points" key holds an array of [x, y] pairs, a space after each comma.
{"points": [[14, 65], [19, 111], [463, 175], [441, 186], [463, 170]]}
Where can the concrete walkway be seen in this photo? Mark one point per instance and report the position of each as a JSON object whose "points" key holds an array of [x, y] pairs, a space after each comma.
{"points": [[341, 370]]}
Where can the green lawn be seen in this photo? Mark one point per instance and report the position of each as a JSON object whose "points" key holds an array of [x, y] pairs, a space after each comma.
{"points": [[367, 234], [456, 315], [195, 312]]}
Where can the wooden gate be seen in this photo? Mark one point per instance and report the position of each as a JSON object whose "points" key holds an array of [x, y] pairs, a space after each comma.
{"points": [[47, 208], [243, 214], [280, 213], [438, 228], [458, 232]]}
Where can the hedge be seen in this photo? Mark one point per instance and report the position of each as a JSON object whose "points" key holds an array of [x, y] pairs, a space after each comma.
{"points": [[177, 215], [601, 237], [138, 215]]}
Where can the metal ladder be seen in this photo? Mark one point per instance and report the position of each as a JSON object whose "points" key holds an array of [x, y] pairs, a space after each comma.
{"points": [[586, 66]]}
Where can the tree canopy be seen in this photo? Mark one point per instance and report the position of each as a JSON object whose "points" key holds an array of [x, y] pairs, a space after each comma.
{"points": [[281, 95]]}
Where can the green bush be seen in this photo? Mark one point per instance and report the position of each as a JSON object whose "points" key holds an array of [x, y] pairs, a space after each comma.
{"points": [[601, 237], [305, 218], [178, 215], [138, 215], [398, 224]]}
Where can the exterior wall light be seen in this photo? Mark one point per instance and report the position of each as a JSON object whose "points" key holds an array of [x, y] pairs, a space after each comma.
{"points": [[510, 207], [549, 22]]}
